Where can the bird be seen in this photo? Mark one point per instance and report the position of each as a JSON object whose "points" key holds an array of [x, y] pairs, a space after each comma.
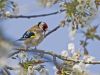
{"points": [[34, 35]]}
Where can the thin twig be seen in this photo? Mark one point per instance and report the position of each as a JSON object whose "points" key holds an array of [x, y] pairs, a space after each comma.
{"points": [[56, 63], [53, 30], [35, 16], [9, 68], [84, 47], [12, 54], [5, 71]]}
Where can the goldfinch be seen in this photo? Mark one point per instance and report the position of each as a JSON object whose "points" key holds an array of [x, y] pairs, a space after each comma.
{"points": [[35, 35]]}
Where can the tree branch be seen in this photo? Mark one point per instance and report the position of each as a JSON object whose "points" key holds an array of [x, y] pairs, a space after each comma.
{"points": [[35, 16], [53, 30], [58, 56], [55, 62], [12, 54], [5, 71]]}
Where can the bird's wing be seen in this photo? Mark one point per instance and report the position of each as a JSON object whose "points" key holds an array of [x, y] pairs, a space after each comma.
{"points": [[26, 35]]}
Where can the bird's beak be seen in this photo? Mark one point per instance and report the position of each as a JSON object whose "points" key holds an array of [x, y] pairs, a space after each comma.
{"points": [[48, 30]]}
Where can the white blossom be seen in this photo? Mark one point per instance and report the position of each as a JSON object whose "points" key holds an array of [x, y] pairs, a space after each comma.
{"points": [[31, 71], [71, 47], [79, 67], [54, 67], [72, 34], [7, 13], [64, 53], [61, 4], [44, 71], [23, 56], [36, 66], [92, 4], [82, 65], [88, 58], [49, 4], [76, 55]]}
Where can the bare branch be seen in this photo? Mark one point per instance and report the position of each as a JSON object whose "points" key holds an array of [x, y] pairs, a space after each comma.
{"points": [[5, 71], [12, 54], [92, 62], [35, 16], [55, 62], [52, 31]]}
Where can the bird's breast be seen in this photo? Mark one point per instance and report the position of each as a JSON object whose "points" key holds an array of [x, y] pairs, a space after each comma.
{"points": [[34, 41]]}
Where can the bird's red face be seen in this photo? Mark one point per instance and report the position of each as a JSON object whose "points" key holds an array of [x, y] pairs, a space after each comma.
{"points": [[45, 27]]}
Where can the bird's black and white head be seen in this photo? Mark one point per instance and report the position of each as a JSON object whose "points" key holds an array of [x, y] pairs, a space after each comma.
{"points": [[43, 26]]}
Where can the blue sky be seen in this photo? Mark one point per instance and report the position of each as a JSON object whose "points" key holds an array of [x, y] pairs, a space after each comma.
{"points": [[14, 28]]}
